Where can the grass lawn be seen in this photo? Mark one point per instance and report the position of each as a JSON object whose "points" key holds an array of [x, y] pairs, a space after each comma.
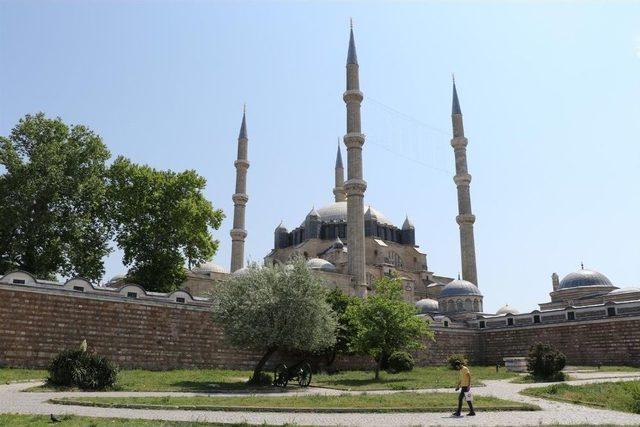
{"points": [[205, 380], [8, 375], [211, 380], [76, 421], [619, 396], [428, 377], [395, 402]]}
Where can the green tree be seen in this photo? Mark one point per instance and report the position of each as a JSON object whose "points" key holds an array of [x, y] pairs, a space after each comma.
{"points": [[274, 308], [53, 199], [385, 323], [162, 221], [340, 302]]}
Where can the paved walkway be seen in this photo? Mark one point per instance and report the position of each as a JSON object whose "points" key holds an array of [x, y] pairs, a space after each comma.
{"points": [[12, 400]]}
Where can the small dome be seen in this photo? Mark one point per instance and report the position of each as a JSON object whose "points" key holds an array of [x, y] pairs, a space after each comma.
{"points": [[407, 225], [584, 278], [313, 213], [117, 278], [241, 272], [320, 264], [337, 244], [209, 267], [507, 309], [427, 305], [459, 288], [281, 227]]}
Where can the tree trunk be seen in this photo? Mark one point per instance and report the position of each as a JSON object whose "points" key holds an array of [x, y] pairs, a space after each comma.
{"points": [[261, 363], [379, 365]]}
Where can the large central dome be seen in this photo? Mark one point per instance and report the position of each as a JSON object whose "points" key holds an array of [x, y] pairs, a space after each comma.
{"points": [[337, 212]]}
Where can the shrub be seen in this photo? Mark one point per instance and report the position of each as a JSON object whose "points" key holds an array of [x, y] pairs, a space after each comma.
{"points": [[400, 361], [545, 362], [75, 367], [455, 358]]}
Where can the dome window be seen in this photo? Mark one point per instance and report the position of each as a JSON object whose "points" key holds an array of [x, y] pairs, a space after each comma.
{"points": [[571, 315], [536, 318], [611, 311], [510, 321], [132, 295], [180, 300], [482, 324], [19, 281], [78, 288]]}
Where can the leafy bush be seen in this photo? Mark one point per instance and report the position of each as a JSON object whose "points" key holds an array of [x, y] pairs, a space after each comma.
{"points": [[262, 379], [400, 361], [545, 362], [76, 367], [457, 357]]}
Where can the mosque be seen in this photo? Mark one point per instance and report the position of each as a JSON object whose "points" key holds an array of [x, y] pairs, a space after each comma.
{"points": [[350, 244]]}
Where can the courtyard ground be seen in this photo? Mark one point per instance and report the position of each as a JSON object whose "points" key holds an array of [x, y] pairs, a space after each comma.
{"points": [[13, 400]]}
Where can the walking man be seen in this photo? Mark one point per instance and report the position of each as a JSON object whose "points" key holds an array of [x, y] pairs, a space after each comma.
{"points": [[464, 385]]}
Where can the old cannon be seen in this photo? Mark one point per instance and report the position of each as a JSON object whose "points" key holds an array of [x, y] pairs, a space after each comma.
{"points": [[300, 372]]}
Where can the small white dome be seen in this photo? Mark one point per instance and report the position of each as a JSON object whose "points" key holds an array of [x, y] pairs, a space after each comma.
{"points": [[117, 278], [320, 264], [628, 290], [241, 272], [427, 305], [209, 267], [507, 309]]}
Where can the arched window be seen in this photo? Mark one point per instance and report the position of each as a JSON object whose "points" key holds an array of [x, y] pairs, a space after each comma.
{"points": [[459, 305], [451, 306], [468, 305], [394, 258], [476, 306]]}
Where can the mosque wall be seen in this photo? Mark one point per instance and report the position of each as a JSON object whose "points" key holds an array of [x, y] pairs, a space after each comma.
{"points": [[38, 321], [609, 341]]}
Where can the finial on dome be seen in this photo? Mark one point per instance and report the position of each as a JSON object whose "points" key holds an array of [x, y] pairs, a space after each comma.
{"points": [[581, 265], [458, 275]]}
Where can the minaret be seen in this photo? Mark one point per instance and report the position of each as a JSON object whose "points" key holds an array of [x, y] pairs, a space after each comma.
{"points": [[338, 189], [355, 186], [240, 198], [465, 218]]}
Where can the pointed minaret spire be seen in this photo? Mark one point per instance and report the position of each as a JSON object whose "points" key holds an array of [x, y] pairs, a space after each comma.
{"points": [[240, 198], [355, 186], [352, 57], [338, 189], [455, 105], [462, 178]]}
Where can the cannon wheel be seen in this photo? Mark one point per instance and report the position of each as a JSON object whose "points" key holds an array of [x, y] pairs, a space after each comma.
{"points": [[304, 375], [281, 375]]}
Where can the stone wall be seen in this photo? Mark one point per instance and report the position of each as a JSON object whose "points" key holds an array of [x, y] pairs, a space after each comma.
{"points": [[610, 341], [38, 321], [35, 325]]}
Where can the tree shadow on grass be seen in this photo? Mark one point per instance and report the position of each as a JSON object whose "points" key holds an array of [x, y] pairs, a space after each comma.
{"points": [[350, 382], [205, 386]]}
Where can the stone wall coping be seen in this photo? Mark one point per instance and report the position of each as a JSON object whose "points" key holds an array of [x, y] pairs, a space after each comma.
{"points": [[81, 288]]}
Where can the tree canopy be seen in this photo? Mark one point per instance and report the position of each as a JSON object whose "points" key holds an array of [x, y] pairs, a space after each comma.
{"points": [[275, 308], [161, 221], [52, 199], [384, 322]]}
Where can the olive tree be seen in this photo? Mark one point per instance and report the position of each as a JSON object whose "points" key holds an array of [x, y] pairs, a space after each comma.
{"points": [[275, 308], [384, 322]]}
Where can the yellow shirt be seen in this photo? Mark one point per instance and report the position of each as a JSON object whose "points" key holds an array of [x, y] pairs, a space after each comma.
{"points": [[464, 379]]}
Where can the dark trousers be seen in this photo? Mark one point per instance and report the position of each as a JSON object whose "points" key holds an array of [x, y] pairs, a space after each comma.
{"points": [[463, 390]]}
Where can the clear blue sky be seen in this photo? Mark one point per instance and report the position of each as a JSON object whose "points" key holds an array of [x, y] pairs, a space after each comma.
{"points": [[550, 93]]}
